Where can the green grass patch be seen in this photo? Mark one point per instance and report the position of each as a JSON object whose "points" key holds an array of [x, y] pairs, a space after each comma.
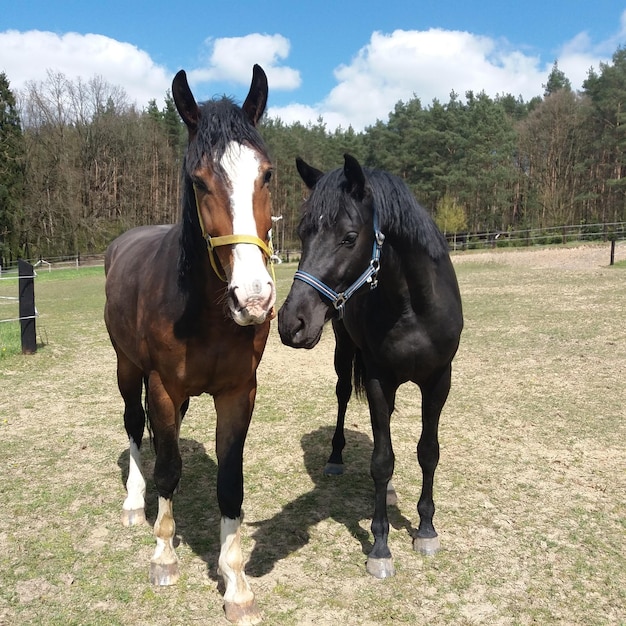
{"points": [[10, 339]]}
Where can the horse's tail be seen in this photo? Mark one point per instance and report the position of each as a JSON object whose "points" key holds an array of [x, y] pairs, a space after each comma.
{"points": [[358, 375]]}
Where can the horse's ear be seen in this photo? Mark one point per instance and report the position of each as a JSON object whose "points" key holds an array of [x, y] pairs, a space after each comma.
{"points": [[255, 102], [353, 172], [185, 102], [309, 174]]}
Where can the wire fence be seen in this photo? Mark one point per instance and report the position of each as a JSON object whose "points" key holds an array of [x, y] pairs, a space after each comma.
{"points": [[555, 235], [12, 300], [77, 261]]}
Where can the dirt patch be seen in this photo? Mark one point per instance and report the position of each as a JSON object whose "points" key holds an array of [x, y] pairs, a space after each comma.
{"points": [[579, 258]]}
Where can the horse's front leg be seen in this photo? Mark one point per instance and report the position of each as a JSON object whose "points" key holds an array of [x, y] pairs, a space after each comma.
{"points": [[344, 356], [164, 417], [434, 396], [234, 411], [381, 398]]}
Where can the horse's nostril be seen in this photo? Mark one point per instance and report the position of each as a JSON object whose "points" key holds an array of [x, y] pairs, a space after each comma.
{"points": [[299, 326]]}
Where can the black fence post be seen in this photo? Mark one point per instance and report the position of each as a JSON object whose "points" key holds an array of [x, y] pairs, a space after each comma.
{"points": [[27, 306], [612, 251]]}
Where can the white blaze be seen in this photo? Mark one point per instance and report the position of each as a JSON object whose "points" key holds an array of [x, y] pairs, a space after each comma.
{"points": [[250, 281]]}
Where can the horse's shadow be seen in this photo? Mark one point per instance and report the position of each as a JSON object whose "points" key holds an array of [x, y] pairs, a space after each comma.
{"points": [[196, 512], [347, 499]]}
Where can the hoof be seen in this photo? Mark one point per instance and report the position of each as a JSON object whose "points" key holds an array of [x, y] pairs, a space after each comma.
{"points": [[134, 517], [242, 614], [426, 545], [380, 568], [163, 575], [333, 469]]}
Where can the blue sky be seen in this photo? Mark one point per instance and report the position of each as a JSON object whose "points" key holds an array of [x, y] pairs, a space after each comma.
{"points": [[347, 61]]}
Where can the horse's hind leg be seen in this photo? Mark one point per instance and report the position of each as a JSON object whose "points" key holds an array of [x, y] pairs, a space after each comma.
{"points": [[130, 383], [164, 415], [344, 356], [434, 396]]}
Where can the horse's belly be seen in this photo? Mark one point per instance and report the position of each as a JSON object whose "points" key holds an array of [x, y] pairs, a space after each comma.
{"points": [[411, 351]]}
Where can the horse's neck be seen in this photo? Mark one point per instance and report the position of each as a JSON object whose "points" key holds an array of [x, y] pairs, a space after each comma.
{"points": [[407, 276], [206, 284], [197, 280]]}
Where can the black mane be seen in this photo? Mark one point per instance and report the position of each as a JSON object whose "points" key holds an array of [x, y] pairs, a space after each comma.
{"points": [[400, 215], [221, 121]]}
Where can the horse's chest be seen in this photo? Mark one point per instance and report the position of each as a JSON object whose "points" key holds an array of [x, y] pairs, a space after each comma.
{"points": [[396, 346], [216, 362]]}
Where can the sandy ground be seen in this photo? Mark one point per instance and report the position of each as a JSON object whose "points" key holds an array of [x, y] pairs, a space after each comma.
{"points": [[579, 258], [529, 493]]}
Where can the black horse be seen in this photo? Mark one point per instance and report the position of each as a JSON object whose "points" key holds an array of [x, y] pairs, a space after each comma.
{"points": [[375, 264]]}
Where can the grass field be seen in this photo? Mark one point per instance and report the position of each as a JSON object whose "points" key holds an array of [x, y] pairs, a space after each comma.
{"points": [[529, 492], [9, 311]]}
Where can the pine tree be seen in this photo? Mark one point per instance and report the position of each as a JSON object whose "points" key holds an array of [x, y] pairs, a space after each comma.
{"points": [[556, 81], [174, 128], [607, 121], [11, 172]]}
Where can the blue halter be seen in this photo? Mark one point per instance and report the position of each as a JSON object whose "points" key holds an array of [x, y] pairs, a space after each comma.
{"points": [[370, 275]]}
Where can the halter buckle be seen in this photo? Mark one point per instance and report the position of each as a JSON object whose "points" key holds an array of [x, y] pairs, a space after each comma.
{"points": [[373, 278], [339, 302]]}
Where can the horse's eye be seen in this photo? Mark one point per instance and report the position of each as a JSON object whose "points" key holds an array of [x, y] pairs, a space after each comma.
{"points": [[349, 239], [267, 177], [199, 184]]}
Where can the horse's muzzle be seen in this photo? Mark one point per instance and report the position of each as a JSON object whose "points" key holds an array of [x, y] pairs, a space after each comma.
{"points": [[295, 330], [252, 305]]}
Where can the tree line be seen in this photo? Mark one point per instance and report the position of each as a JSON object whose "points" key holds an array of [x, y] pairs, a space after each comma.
{"points": [[79, 164]]}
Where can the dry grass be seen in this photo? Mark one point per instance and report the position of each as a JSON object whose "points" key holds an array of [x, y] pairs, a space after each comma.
{"points": [[529, 491]]}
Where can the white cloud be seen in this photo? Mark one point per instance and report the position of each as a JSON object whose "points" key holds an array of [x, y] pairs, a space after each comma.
{"points": [[580, 54], [390, 67], [430, 64], [232, 58], [27, 56]]}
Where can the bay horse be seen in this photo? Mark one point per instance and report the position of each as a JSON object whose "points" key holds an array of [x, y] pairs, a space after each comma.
{"points": [[188, 309], [374, 263]]}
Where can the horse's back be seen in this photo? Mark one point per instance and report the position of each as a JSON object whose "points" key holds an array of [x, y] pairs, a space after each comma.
{"points": [[134, 245]]}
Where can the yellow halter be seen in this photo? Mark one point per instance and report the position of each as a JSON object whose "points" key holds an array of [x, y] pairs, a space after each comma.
{"points": [[227, 240]]}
